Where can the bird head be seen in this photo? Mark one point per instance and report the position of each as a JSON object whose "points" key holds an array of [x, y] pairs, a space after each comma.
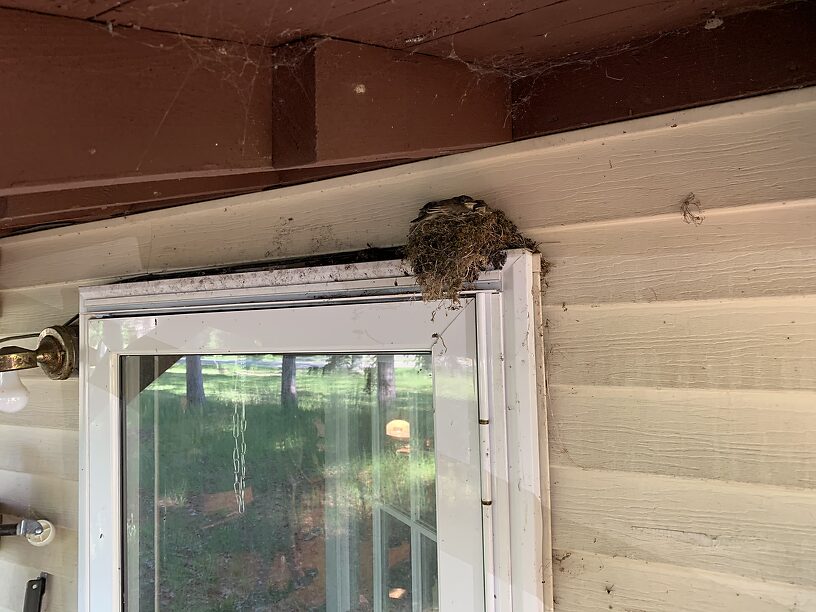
{"points": [[458, 205], [470, 204]]}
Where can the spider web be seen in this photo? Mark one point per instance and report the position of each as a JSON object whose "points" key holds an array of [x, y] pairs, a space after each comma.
{"points": [[245, 61]]}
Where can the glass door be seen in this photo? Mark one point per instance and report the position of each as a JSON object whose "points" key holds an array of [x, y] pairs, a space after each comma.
{"points": [[299, 481], [322, 458]]}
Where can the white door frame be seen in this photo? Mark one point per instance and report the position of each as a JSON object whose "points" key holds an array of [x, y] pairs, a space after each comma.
{"points": [[515, 476]]}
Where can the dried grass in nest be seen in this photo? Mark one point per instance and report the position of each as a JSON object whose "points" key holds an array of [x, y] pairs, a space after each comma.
{"points": [[449, 251]]}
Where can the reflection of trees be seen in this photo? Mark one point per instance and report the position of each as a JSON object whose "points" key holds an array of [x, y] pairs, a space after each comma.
{"points": [[357, 362], [289, 406], [337, 362], [306, 488], [386, 385], [289, 383], [195, 381], [354, 362]]}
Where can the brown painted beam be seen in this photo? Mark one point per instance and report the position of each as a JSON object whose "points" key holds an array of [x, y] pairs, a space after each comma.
{"points": [[348, 102], [743, 55], [112, 121], [101, 123], [89, 203], [88, 106], [85, 106], [39, 210]]}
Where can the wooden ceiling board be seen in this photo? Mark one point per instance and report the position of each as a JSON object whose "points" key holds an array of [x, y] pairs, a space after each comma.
{"points": [[679, 70], [266, 22], [575, 26], [403, 24], [392, 23], [83, 9], [506, 33]]}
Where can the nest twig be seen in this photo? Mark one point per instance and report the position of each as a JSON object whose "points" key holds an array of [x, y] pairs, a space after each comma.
{"points": [[692, 210], [449, 251]]}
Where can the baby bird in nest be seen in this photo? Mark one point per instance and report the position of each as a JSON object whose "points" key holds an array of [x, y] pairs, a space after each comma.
{"points": [[452, 241], [460, 205]]}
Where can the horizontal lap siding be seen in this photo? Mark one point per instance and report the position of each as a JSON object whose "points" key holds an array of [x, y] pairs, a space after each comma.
{"points": [[59, 560], [764, 437], [49, 497], [681, 366], [680, 358], [587, 582], [757, 532], [740, 252], [40, 451], [52, 404], [38, 307], [734, 344]]}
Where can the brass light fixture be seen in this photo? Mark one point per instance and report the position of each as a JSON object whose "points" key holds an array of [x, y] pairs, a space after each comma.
{"points": [[57, 354]]}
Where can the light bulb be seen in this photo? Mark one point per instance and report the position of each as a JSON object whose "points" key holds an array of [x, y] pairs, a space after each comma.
{"points": [[13, 394]]}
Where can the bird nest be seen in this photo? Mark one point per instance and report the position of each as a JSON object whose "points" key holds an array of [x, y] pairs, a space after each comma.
{"points": [[449, 251]]}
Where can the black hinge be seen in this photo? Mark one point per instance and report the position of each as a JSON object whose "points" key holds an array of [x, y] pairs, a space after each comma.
{"points": [[35, 591]]}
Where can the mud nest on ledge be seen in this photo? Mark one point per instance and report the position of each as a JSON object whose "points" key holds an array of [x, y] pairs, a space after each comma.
{"points": [[453, 241]]}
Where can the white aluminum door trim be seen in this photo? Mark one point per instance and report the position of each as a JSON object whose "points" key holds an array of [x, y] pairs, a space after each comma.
{"points": [[524, 397], [399, 327], [517, 467]]}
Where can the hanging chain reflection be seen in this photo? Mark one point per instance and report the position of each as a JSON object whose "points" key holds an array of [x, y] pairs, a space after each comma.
{"points": [[238, 435]]}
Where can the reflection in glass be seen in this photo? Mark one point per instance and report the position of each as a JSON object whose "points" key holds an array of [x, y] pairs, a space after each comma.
{"points": [[279, 482], [396, 542], [429, 575]]}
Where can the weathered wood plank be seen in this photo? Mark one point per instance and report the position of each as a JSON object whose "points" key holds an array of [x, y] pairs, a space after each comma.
{"points": [[53, 404], [549, 181], [740, 435], [83, 9], [763, 533], [767, 343], [255, 22], [40, 451], [37, 497], [586, 582], [746, 251]]}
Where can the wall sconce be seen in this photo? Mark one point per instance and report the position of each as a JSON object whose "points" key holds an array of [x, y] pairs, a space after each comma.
{"points": [[57, 354]]}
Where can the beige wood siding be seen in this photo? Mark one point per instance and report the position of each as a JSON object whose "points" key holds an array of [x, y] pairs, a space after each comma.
{"points": [[681, 359]]}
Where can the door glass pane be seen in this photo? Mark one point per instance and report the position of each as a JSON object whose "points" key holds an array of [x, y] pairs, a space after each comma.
{"points": [[429, 574], [396, 542], [279, 482], [424, 465]]}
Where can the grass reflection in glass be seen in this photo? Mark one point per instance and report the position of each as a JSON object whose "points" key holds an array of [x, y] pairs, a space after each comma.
{"points": [[298, 504]]}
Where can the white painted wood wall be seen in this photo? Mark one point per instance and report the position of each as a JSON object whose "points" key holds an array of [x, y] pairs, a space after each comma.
{"points": [[681, 359]]}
